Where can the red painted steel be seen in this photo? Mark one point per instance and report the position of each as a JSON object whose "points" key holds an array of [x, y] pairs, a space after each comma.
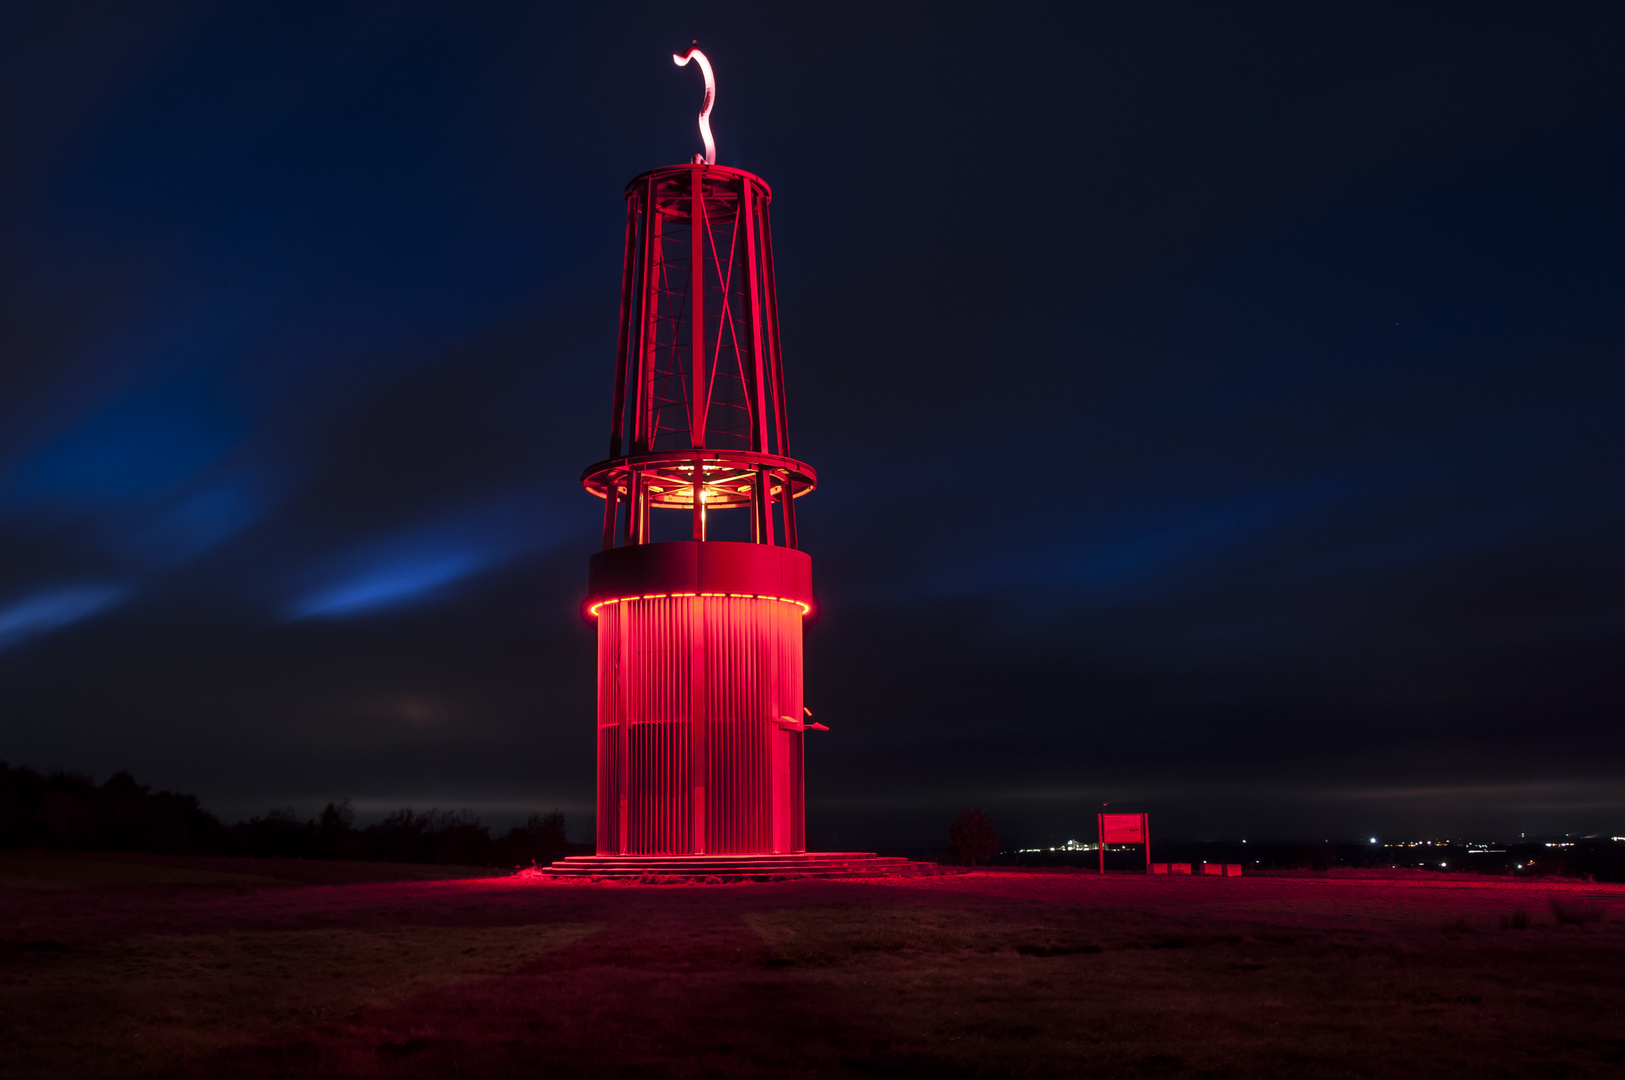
{"points": [[1125, 829], [685, 566], [699, 641], [699, 420]]}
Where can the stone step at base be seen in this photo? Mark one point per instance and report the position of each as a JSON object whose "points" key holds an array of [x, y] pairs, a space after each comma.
{"points": [[841, 864]]}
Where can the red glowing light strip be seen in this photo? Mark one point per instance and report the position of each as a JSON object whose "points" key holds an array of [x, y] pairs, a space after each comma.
{"points": [[592, 610]]}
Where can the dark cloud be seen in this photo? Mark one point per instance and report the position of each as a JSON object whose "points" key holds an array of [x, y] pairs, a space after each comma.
{"points": [[1214, 410]]}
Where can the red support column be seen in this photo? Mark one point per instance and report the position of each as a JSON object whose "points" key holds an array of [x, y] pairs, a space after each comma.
{"points": [[699, 498], [762, 505], [698, 395], [628, 276], [791, 537], [623, 633], [697, 647], [643, 512], [629, 531], [652, 267], [610, 503], [698, 398], [760, 397], [781, 416]]}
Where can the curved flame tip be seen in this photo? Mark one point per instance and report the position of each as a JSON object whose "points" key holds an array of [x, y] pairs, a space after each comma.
{"points": [[708, 103]]}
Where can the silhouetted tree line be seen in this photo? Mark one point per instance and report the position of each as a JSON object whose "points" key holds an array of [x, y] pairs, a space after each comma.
{"points": [[69, 811]]}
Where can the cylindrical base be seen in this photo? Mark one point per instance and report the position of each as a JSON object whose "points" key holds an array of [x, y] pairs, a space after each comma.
{"points": [[699, 712]]}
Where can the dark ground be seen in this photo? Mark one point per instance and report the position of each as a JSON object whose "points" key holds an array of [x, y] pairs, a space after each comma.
{"points": [[153, 966]]}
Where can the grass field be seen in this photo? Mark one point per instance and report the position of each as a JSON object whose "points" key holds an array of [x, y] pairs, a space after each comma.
{"points": [[149, 966]]}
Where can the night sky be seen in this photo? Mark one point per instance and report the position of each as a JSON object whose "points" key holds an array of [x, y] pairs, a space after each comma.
{"points": [[1217, 408]]}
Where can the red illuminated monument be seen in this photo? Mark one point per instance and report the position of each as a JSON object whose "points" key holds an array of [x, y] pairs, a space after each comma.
{"points": [[700, 714]]}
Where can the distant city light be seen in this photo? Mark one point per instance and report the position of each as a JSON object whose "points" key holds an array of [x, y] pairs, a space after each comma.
{"points": [[1070, 845], [1373, 839]]}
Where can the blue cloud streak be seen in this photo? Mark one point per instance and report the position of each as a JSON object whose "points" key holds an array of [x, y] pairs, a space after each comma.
{"points": [[52, 609]]}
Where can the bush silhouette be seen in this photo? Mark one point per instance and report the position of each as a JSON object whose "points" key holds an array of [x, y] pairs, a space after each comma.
{"points": [[68, 811], [538, 841], [973, 840]]}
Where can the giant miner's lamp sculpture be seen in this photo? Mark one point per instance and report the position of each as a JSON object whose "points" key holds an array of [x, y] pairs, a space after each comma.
{"points": [[700, 714]]}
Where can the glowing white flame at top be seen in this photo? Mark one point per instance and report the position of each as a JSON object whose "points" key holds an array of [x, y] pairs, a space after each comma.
{"points": [[710, 99]]}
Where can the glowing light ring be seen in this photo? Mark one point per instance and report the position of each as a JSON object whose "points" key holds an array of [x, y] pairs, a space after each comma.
{"points": [[592, 609], [710, 99]]}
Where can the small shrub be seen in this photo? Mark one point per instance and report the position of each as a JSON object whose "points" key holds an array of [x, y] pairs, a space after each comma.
{"points": [[1576, 912], [972, 839], [1518, 920]]}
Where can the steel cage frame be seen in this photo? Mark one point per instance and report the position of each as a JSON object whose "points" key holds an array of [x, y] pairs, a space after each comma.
{"points": [[699, 418]]}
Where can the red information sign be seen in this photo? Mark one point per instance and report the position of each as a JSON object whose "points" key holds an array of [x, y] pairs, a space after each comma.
{"points": [[1122, 828], [1125, 829]]}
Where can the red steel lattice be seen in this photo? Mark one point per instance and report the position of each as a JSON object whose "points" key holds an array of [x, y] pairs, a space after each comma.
{"points": [[699, 419], [700, 715]]}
